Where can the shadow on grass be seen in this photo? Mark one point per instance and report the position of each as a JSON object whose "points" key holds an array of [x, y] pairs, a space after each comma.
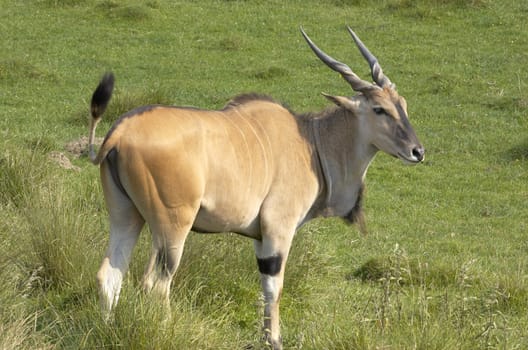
{"points": [[405, 271], [16, 69], [269, 73], [132, 12], [518, 152]]}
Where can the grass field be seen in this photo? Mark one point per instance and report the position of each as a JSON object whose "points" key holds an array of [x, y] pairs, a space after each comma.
{"points": [[445, 263]]}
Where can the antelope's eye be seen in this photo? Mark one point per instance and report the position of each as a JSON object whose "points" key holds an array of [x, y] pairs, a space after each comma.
{"points": [[378, 110]]}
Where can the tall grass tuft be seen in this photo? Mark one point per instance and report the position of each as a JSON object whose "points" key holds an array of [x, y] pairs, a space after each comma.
{"points": [[16, 182], [19, 332]]}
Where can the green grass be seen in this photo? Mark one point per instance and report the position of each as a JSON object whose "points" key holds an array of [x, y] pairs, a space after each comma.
{"points": [[445, 263]]}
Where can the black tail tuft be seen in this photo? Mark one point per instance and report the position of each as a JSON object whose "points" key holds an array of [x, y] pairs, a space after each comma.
{"points": [[102, 95]]}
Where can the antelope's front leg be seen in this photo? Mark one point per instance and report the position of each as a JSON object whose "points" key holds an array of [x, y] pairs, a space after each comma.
{"points": [[271, 259], [272, 289]]}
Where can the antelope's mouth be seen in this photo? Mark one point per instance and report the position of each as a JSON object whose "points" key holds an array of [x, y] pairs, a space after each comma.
{"points": [[412, 159]]}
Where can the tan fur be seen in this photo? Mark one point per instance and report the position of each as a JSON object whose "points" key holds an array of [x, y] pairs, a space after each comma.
{"points": [[220, 163]]}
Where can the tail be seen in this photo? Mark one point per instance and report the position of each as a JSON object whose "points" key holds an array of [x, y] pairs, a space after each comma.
{"points": [[100, 99]]}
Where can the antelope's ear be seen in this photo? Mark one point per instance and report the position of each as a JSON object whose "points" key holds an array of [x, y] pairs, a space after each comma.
{"points": [[342, 101]]}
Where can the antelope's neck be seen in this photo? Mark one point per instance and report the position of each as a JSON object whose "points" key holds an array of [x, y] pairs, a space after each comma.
{"points": [[344, 157]]}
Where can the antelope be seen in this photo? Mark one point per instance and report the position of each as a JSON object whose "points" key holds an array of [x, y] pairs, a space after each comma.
{"points": [[253, 167]]}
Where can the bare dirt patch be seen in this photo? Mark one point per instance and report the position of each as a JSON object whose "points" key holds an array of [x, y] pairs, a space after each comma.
{"points": [[62, 160], [75, 149], [78, 148]]}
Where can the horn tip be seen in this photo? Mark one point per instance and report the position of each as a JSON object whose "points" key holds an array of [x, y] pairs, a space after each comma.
{"points": [[302, 31], [354, 35]]}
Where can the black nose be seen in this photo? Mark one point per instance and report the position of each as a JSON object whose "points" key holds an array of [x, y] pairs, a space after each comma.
{"points": [[418, 153]]}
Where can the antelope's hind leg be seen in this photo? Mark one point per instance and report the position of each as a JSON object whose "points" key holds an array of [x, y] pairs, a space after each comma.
{"points": [[169, 231], [125, 226]]}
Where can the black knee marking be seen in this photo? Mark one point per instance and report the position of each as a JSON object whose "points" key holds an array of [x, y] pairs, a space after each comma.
{"points": [[270, 266]]}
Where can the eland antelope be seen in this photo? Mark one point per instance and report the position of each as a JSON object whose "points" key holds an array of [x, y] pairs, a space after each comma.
{"points": [[254, 168]]}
